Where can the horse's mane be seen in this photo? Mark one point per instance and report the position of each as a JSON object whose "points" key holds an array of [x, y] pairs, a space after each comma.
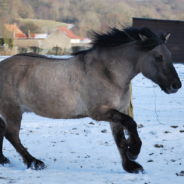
{"points": [[129, 35]]}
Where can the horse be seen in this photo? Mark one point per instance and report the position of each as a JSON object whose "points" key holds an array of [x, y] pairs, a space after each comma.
{"points": [[93, 83]]}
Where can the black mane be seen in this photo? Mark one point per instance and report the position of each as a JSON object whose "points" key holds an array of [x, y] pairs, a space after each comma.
{"points": [[115, 37]]}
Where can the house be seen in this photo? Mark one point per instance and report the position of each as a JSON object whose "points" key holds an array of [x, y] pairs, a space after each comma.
{"points": [[69, 34], [176, 28], [59, 40], [7, 34], [14, 31]]}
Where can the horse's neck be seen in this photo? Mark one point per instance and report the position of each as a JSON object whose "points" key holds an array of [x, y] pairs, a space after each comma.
{"points": [[124, 71], [119, 64], [123, 67]]}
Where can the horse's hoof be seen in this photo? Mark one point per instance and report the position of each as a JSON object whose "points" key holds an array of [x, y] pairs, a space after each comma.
{"points": [[133, 167], [139, 170], [36, 165], [131, 156], [4, 160]]}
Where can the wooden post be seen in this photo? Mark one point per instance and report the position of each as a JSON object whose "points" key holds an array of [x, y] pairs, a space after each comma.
{"points": [[13, 34], [130, 108], [29, 34]]}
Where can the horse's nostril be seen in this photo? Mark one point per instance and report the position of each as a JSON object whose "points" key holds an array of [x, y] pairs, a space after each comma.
{"points": [[174, 87]]}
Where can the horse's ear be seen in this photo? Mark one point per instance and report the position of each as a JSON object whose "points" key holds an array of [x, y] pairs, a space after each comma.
{"points": [[166, 37], [143, 38]]}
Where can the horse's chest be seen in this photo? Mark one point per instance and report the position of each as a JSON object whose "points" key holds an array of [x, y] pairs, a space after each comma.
{"points": [[123, 101]]}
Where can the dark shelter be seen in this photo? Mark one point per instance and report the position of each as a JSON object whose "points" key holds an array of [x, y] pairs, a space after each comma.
{"points": [[175, 27]]}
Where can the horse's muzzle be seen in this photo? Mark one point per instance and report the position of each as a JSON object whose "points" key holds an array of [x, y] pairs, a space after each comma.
{"points": [[173, 88]]}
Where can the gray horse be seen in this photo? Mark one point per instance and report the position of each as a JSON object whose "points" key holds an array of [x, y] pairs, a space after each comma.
{"points": [[94, 83]]}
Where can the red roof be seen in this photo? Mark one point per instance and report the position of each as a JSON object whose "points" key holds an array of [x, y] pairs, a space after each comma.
{"points": [[18, 32], [20, 36], [68, 33]]}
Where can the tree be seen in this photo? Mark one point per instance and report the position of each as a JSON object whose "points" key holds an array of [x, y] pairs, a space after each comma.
{"points": [[29, 26], [88, 14]]}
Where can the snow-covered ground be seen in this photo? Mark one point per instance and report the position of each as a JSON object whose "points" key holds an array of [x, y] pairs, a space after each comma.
{"points": [[78, 152]]}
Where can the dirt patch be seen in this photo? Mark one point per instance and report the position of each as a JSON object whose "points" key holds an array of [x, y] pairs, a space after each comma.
{"points": [[159, 146]]}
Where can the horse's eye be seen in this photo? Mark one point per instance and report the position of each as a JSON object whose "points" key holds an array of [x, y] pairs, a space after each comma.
{"points": [[159, 58]]}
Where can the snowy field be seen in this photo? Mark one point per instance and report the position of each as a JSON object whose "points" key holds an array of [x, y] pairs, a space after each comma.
{"points": [[78, 152]]}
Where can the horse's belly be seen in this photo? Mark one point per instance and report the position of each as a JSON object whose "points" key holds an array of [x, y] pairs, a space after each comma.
{"points": [[63, 108]]}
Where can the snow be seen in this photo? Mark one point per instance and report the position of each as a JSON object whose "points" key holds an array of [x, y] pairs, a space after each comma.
{"points": [[77, 152]]}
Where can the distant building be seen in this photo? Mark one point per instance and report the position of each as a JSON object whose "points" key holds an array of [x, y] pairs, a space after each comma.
{"points": [[60, 38], [69, 34], [14, 31], [86, 40]]}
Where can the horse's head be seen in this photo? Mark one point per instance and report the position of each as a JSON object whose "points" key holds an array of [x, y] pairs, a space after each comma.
{"points": [[156, 64]]}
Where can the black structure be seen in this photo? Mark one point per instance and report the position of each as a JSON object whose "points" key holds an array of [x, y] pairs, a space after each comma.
{"points": [[176, 28]]}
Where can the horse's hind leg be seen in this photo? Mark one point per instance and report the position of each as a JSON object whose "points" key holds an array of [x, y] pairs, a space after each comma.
{"points": [[128, 165], [13, 116], [3, 159]]}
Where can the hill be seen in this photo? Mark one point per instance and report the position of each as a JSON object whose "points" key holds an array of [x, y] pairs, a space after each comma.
{"points": [[87, 14]]}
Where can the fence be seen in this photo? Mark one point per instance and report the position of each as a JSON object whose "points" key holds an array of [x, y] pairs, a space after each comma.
{"points": [[37, 50], [54, 51], [151, 105]]}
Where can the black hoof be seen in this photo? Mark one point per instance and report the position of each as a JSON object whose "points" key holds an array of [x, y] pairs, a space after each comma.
{"points": [[36, 165], [131, 156], [133, 167], [4, 160]]}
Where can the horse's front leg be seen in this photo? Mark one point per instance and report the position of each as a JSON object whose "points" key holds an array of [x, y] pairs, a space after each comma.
{"points": [[134, 143], [129, 149], [121, 142]]}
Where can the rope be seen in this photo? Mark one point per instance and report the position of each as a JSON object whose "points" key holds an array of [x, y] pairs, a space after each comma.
{"points": [[156, 105]]}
